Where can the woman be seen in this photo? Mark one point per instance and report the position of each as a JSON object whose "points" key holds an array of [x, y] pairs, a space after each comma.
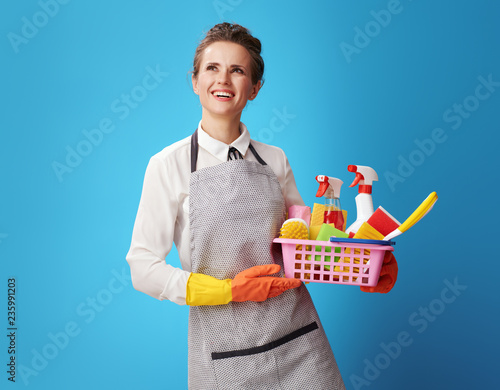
{"points": [[221, 199]]}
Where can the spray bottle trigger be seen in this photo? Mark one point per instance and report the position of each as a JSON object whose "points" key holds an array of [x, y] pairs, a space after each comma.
{"points": [[323, 185], [322, 189], [357, 179]]}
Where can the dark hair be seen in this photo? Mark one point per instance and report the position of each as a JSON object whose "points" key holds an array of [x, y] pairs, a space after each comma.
{"points": [[236, 34]]}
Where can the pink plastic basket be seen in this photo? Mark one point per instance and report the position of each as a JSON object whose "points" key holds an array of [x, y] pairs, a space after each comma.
{"points": [[346, 263]]}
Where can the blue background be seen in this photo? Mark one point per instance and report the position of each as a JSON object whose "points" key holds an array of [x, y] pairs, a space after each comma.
{"points": [[358, 88]]}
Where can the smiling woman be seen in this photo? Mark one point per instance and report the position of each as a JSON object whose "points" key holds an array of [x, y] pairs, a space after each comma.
{"points": [[224, 85], [226, 32], [246, 329]]}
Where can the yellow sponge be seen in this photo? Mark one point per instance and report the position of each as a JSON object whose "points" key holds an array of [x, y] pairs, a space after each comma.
{"points": [[318, 214], [295, 228], [367, 231], [314, 231]]}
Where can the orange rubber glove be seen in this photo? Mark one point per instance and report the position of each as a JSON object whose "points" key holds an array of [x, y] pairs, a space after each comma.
{"points": [[249, 285], [252, 285], [388, 275]]}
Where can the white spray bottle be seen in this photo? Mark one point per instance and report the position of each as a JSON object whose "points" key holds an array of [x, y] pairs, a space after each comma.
{"points": [[365, 176], [329, 187]]}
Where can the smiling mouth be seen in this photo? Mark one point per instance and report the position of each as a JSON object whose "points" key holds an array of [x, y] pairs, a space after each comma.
{"points": [[223, 94]]}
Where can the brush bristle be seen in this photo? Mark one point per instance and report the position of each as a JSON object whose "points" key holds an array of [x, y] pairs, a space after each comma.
{"points": [[294, 229]]}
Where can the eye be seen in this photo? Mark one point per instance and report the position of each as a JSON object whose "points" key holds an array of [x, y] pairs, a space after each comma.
{"points": [[211, 67], [238, 70]]}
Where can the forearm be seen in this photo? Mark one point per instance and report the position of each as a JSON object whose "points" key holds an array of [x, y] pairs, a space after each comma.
{"points": [[153, 276]]}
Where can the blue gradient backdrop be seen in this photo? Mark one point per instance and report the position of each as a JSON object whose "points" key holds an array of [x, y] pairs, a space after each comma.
{"points": [[365, 82]]}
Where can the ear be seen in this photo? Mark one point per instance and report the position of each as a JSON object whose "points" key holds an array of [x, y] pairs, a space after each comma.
{"points": [[255, 90], [194, 80]]}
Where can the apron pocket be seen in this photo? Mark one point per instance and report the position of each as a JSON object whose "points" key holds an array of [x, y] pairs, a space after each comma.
{"points": [[267, 347], [257, 367]]}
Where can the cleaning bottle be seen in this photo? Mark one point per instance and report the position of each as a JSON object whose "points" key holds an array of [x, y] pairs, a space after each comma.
{"points": [[329, 187], [365, 176]]}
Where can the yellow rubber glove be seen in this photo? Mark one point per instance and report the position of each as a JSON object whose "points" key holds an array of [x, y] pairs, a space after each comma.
{"points": [[248, 285], [204, 290]]}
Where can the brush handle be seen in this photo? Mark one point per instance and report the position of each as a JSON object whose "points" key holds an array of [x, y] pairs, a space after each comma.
{"points": [[416, 216], [420, 212], [393, 234]]}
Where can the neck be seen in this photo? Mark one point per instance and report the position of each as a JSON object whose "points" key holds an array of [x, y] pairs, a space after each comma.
{"points": [[222, 128]]}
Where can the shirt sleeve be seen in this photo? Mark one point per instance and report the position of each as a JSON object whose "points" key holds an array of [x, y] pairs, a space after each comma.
{"points": [[290, 191], [152, 238]]}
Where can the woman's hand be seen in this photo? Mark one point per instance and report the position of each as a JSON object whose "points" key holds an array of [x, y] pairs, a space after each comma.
{"points": [[388, 275], [249, 285], [252, 284]]}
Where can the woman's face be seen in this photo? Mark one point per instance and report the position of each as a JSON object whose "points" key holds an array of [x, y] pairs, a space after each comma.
{"points": [[224, 81]]}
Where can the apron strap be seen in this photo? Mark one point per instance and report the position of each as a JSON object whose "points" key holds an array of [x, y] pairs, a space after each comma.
{"points": [[259, 159], [194, 152]]}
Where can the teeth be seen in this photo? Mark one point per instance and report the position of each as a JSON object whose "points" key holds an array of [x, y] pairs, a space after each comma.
{"points": [[223, 94]]}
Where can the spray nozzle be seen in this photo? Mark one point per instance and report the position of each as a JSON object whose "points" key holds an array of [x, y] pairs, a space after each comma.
{"points": [[359, 176], [365, 176], [323, 185], [328, 186]]}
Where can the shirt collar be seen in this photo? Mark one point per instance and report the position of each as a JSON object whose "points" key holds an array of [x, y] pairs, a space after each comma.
{"points": [[220, 149]]}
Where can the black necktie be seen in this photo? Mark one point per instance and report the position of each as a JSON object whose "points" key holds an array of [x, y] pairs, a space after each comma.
{"points": [[234, 154]]}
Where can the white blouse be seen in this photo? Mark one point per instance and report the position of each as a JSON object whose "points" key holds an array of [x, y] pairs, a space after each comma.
{"points": [[163, 214]]}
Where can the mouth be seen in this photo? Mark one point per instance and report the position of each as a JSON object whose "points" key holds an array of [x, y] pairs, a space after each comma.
{"points": [[222, 94]]}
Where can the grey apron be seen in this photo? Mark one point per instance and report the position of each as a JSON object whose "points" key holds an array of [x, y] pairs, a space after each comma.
{"points": [[236, 208]]}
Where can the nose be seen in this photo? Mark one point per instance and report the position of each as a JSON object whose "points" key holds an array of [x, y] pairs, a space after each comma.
{"points": [[224, 78]]}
